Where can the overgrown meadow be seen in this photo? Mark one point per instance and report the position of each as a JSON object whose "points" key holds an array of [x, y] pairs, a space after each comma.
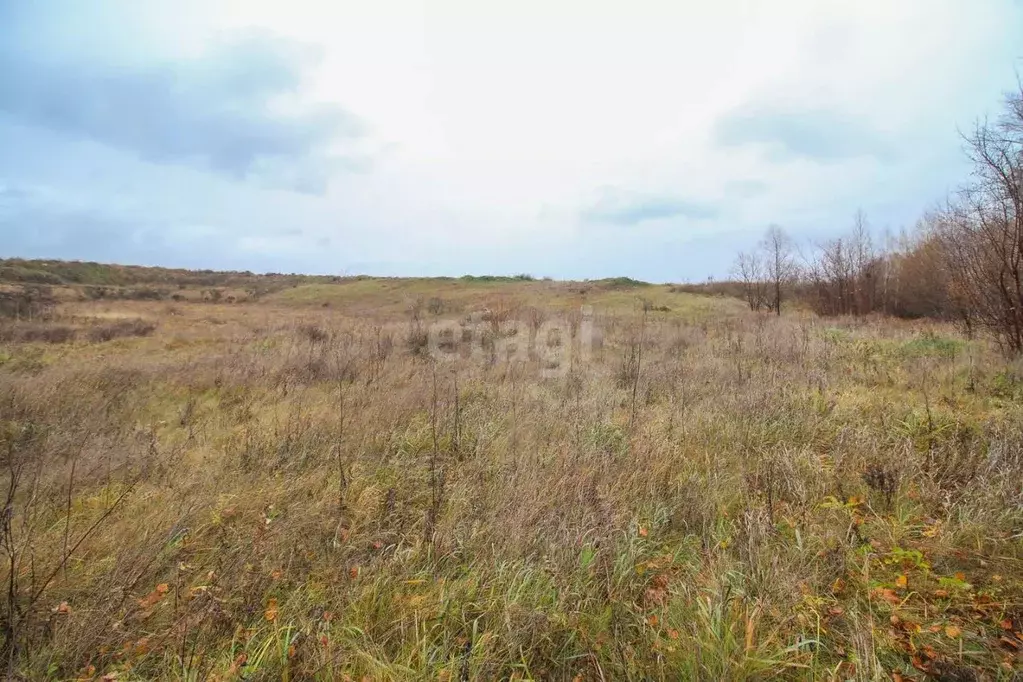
{"points": [[296, 487]]}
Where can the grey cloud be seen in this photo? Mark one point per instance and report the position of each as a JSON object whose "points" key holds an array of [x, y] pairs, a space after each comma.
{"points": [[37, 221], [616, 209], [10, 194], [820, 135], [215, 112]]}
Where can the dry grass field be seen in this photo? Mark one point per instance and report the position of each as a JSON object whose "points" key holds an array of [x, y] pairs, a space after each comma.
{"points": [[296, 488]]}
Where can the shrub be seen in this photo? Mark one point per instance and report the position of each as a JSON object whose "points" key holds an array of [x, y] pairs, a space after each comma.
{"points": [[418, 338], [29, 301], [119, 329], [18, 274], [96, 293], [435, 306], [314, 333], [145, 294], [35, 332], [623, 283]]}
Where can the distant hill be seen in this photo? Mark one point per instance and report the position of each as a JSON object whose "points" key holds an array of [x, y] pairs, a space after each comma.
{"points": [[59, 272], [87, 273]]}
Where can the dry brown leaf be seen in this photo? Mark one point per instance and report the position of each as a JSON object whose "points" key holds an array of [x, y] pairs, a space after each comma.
{"points": [[271, 610], [1009, 643], [238, 664], [154, 597], [888, 595]]}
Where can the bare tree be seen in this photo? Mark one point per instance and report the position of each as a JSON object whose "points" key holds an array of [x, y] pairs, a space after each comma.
{"points": [[847, 275], [982, 232], [779, 263], [831, 274], [866, 266], [749, 268]]}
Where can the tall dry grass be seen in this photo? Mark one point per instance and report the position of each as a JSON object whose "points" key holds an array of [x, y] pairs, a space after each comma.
{"points": [[263, 492]]}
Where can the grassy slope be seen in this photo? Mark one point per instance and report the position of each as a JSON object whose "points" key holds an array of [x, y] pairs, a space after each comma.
{"points": [[394, 296], [751, 497]]}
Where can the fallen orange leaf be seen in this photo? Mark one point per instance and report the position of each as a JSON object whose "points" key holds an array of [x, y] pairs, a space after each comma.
{"points": [[271, 610], [952, 632], [155, 596], [888, 595], [902, 581]]}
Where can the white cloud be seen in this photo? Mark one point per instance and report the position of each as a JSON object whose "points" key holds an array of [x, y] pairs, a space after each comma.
{"points": [[495, 129]]}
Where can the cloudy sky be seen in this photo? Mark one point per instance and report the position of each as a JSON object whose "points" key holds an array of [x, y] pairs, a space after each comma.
{"points": [[569, 138]]}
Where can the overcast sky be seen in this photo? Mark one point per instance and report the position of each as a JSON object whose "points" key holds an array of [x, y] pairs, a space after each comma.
{"points": [[574, 139]]}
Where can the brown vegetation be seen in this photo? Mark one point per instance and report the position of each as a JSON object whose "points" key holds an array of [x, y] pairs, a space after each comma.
{"points": [[275, 491], [965, 262]]}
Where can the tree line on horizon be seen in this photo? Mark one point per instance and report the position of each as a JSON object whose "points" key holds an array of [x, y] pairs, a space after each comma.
{"points": [[963, 263]]}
